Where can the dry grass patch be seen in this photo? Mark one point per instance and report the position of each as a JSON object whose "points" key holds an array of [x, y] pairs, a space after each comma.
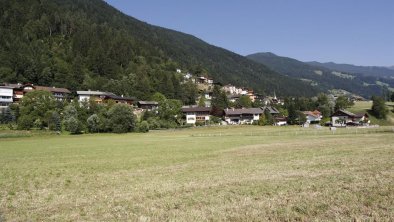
{"points": [[176, 175]]}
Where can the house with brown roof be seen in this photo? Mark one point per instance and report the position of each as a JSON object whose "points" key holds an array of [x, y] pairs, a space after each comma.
{"points": [[343, 118], [121, 99], [101, 97], [19, 90], [59, 93], [242, 116], [313, 116], [196, 114], [148, 105]]}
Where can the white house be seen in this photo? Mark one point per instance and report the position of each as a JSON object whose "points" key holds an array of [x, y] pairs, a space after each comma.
{"points": [[232, 90], [6, 96], [97, 95], [242, 116], [208, 95], [343, 118], [233, 98], [280, 121], [187, 76], [313, 116], [196, 114]]}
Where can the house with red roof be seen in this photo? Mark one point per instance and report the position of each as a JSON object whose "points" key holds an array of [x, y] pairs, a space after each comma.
{"points": [[313, 116]]}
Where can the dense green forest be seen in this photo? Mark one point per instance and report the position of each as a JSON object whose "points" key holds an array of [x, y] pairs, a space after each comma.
{"points": [[324, 77], [87, 44]]}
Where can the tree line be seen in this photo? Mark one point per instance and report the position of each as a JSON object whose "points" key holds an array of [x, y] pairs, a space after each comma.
{"points": [[40, 110]]}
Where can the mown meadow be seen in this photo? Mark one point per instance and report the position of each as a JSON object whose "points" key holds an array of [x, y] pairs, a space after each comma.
{"points": [[244, 173]]}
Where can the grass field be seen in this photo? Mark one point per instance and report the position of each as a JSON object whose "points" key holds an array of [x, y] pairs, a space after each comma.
{"points": [[246, 173], [364, 106]]}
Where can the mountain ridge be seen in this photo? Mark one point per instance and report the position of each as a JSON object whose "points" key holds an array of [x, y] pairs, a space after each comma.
{"points": [[379, 71], [322, 77], [92, 45]]}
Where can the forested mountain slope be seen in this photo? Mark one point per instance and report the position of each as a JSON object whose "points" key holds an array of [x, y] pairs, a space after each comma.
{"points": [[87, 44], [322, 77]]}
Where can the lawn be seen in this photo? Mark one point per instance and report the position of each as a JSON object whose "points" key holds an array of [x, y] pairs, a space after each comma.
{"points": [[245, 173], [365, 106]]}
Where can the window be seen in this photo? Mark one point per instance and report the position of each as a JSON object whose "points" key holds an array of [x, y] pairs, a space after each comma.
{"points": [[200, 118]]}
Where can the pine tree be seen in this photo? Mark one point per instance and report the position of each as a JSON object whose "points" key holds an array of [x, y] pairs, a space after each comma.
{"points": [[7, 116], [219, 101], [201, 101]]}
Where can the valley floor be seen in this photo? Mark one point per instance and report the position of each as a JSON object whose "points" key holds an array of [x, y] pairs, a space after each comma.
{"points": [[245, 173]]}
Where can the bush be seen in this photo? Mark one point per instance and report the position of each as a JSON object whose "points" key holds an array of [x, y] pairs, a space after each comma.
{"points": [[38, 124], [93, 123], [25, 122], [73, 125], [54, 122], [143, 127], [153, 123], [200, 124], [121, 118], [215, 119]]}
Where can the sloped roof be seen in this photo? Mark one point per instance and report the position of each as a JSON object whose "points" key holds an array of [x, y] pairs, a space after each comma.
{"points": [[13, 85], [52, 89], [7, 87], [243, 111], [271, 109], [115, 97], [315, 113], [196, 109], [148, 103], [342, 112], [95, 93], [234, 96]]}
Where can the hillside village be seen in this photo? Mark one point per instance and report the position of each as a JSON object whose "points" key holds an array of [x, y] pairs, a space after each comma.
{"points": [[241, 105]]}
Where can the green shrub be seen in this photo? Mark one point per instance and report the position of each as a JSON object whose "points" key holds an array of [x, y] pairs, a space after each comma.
{"points": [[143, 127], [200, 124], [215, 120], [73, 125], [25, 123], [121, 118], [93, 123], [153, 123], [38, 124]]}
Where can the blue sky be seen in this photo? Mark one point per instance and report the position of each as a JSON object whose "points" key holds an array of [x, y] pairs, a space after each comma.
{"points": [[359, 32]]}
